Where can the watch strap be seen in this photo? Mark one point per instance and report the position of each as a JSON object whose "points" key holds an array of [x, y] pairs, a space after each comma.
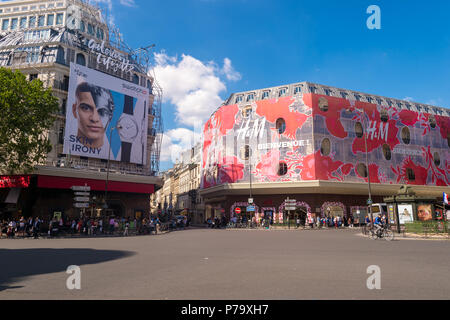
{"points": [[126, 151], [128, 105]]}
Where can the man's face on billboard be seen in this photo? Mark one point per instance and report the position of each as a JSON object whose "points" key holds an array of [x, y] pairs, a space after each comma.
{"points": [[92, 118]]}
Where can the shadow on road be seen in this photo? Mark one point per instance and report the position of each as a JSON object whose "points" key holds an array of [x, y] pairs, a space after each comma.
{"points": [[19, 263]]}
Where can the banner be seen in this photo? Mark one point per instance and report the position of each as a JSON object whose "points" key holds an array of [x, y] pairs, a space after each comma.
{"points": [[106, 117]]}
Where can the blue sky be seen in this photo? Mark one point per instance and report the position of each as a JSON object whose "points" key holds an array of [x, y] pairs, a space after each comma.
{"points": [[237, 45]]}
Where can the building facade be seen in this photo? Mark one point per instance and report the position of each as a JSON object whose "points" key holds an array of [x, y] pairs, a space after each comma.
{"points": [[44, 40], [308, 142]]}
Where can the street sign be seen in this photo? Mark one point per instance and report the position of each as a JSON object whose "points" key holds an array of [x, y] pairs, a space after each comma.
{"points": [[81, 188], [81, 205], [369, 201], [83, 194], [250, 200], [251, 208], [81, 199], [290, 204], [237, 210]]}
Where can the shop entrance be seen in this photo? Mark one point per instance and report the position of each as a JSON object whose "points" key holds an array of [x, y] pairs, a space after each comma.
{"points": [[299, 213]]}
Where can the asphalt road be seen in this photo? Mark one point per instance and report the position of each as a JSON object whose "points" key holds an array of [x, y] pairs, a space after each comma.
{"points": [[226, 264]]}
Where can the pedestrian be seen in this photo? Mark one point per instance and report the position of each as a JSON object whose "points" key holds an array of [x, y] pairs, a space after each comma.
{"points": [[100, 225], [36, 227], [111, 225], [297, 224], [127, 225]]}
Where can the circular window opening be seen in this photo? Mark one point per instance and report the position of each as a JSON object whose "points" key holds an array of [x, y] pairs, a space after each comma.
{"points": [[406, 136], [432, 121], [362, 170], [245, 152], [387, 152], [325, 147], [359, 130], [282, 168], [323, 104], [280, 125], [384, 115], [247, 111], [437, 159]]}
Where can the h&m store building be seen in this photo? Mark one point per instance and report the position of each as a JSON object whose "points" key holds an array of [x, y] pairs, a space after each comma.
{"points": [[308, 142]]}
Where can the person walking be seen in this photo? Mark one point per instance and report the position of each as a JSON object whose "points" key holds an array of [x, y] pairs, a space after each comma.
{"points": [[36, 227], [127, 226]]}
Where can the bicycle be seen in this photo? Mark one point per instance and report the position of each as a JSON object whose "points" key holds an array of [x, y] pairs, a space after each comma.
{"points": [[383, 232]]}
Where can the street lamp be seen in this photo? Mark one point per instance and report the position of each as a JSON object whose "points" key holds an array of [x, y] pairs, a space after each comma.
{"points": [[105, 205], [369, 201]]}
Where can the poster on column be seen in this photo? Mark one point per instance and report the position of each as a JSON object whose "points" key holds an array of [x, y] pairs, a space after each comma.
{"points": [[106, 117]]}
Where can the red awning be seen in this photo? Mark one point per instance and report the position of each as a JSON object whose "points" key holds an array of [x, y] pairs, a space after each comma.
{"points": [[51, 182]]}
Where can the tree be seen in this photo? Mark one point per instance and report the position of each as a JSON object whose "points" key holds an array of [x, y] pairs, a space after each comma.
{"points": [[27, 112]]}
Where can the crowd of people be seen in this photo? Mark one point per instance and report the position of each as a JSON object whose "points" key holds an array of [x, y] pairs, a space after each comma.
{"points": [[57, 226], [311, 221]]}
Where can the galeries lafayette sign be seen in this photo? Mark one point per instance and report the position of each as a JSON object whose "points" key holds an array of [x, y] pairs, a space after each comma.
{"points": [[110, 58], [14, 181]]}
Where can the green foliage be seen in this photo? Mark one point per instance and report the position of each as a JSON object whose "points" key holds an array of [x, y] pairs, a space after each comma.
{"points": [[26, 114], [422, 227]]}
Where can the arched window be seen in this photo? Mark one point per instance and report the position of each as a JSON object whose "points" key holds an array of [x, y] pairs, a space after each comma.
{"points": [[245, 152], [281, 125], [81, 59], [282, 168], [437, 159], [359, 130], [135, 79], [325, 147], [323, 104], [432, 121], [384, 115], [60, 55], [387, 152]]}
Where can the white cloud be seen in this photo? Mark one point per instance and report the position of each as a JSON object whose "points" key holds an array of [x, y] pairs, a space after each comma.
{"points": [[191, 85], [128, 3], [408, 99], [229, 71], [175, 141]]}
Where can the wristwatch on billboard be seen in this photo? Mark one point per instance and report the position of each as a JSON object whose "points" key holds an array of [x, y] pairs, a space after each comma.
{"points": [[128, 128]]}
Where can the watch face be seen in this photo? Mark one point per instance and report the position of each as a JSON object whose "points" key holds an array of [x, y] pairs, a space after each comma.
{"points": [[129, 128]]}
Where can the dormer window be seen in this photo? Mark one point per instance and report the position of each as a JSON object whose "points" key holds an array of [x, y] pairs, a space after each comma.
{"points": [[239, 98], [282, 92], [250, 97], [265, 95]]}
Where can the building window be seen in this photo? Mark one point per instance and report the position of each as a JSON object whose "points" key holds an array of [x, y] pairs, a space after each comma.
{"points": [[82, 26], [5, 24], [344, 94], [50, 19], [63, 106], [323, 104], [60, 55], [23, 22], [297, 90], [362, 170], [411, 174], [325, 147], [406, 136], [33, 76], [41, 21], [280, 125], [359, 129], [448, 140], [135, 79], [387, 152], [282, 92], [14, 23], [81, 60], [384, 115], [250, 97], [59, 18], [245, 152], [265, 95], [247, 111], [432, 121], [327, 91], [32, 22], [91, 29], [238, 99], [282, 168]]}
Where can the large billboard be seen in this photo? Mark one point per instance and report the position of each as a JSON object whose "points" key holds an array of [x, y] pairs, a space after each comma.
{"points": [[106, 117]]}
